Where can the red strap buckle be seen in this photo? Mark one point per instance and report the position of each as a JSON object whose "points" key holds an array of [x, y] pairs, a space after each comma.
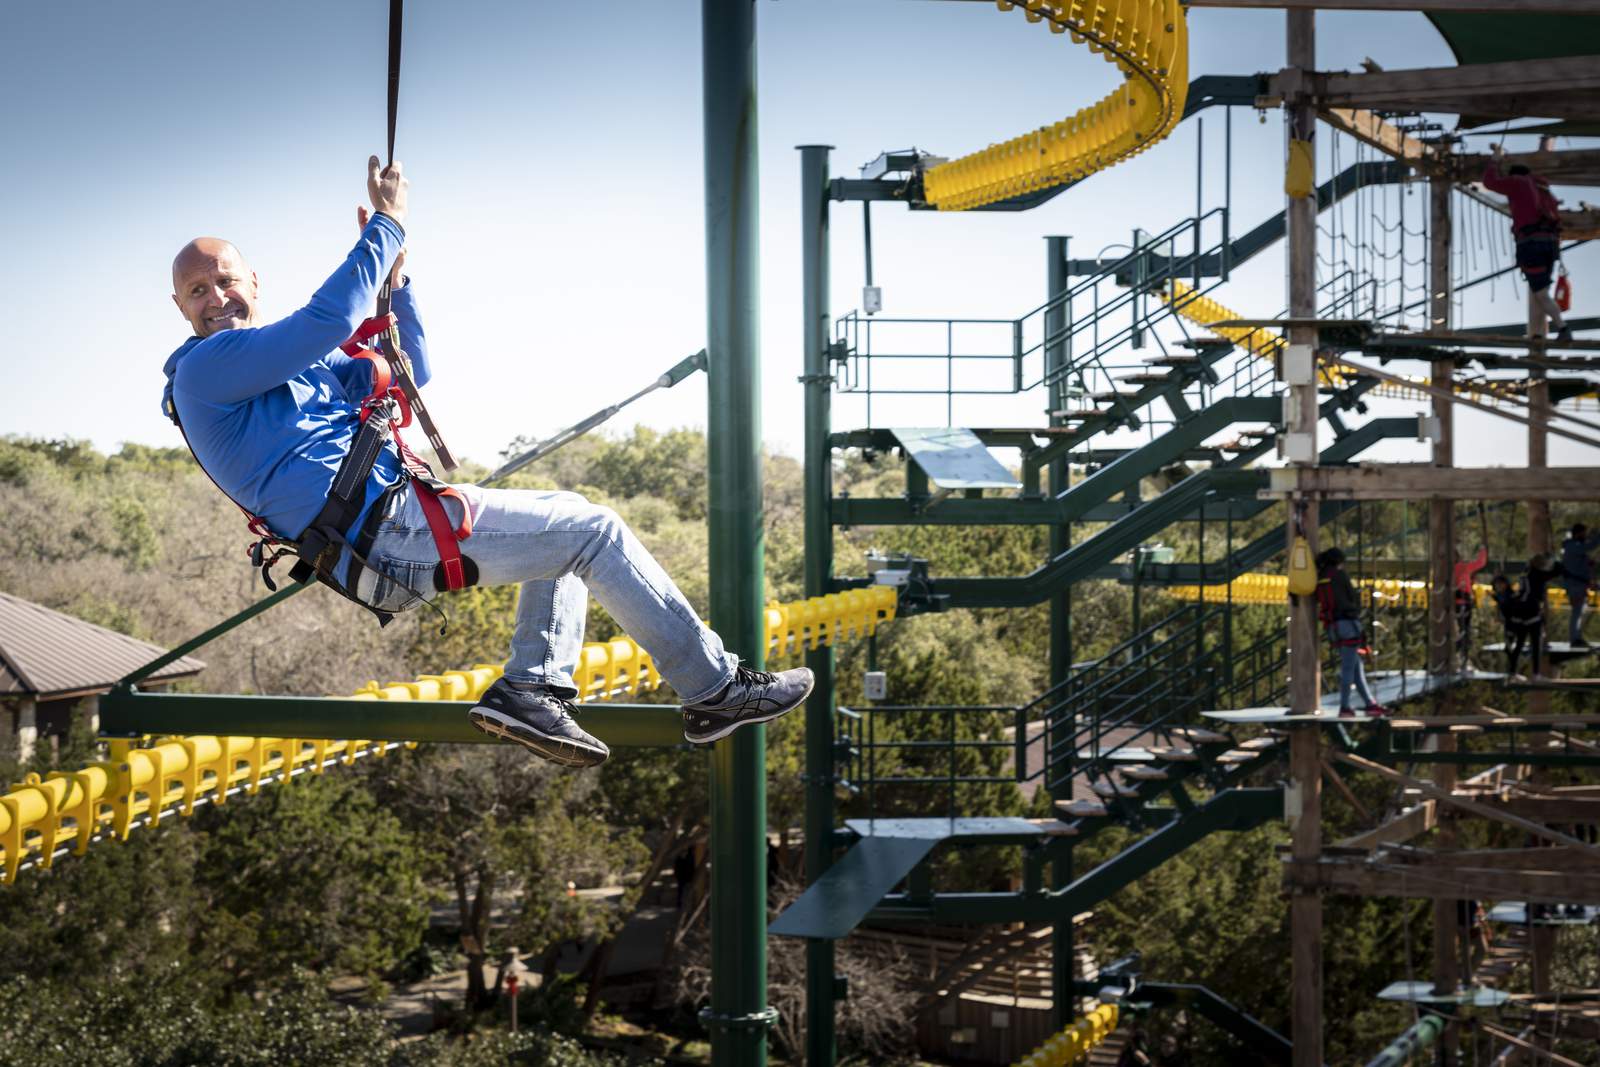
{"points": [[445, 537], [367, 331]]}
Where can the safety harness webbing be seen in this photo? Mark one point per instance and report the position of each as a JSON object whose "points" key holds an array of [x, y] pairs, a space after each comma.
{"points": [[383, 413]]}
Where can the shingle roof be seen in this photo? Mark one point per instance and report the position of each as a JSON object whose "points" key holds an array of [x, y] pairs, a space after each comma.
{"points": [[45, 653]]}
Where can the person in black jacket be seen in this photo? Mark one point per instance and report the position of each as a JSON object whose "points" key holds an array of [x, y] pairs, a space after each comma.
{"points": [[1522, 611], [1340, 611]]}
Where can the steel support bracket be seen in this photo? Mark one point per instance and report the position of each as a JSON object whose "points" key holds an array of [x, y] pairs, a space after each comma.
{"points": [[765, 1019]]}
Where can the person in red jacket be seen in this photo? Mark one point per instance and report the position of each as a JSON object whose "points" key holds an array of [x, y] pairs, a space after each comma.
{"points": [[1465, 601], [1536, 225]]}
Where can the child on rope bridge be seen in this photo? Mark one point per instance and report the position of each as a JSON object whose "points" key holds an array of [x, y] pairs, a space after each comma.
{"points": [[272, 410], [1522, 611], [1340, 611]]}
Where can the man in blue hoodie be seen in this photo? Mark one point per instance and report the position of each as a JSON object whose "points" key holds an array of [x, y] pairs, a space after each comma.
{"points": [[1577, 577], [271, 411]]}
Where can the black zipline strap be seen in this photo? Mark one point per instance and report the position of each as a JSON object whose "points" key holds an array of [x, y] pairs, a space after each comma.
{"points": [[396, 25], [399, 364]]}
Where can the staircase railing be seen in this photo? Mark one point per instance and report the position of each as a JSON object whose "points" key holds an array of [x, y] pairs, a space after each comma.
{"points": [[1112, 705], [1099, 313], [896, 757]]}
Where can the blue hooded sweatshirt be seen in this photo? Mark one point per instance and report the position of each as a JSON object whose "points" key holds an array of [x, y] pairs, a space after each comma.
{"points": [[271, 411], [1575, 558]]}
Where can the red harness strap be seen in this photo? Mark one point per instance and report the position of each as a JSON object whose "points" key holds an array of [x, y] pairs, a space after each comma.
{"points": [[429, 489]]}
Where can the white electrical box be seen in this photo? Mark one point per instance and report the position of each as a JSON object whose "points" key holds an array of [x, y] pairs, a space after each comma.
{"points": [[1299, 364], [1428, 427], [871, 299], [1298, 447], [875, 685]]}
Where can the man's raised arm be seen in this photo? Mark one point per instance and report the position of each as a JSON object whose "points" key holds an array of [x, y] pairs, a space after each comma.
{"points": [[234, 365]]}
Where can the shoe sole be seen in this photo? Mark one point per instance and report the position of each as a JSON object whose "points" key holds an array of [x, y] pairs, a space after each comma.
{"points": [[723, 731], [560, 750]]}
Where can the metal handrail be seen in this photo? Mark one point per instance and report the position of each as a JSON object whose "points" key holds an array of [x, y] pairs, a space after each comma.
{"points": [[1145, 268]]}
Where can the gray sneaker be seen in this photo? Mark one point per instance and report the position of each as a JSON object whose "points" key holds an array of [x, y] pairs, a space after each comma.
{"points": [[752, 696], [537, 719]]}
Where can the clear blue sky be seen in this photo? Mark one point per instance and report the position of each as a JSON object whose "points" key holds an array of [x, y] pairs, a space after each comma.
{"points": [[555, 156]]}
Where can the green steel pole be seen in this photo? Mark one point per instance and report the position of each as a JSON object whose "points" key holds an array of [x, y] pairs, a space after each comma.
{"points": [[1062, 954], [738, 1017], [820, 1039], [1424, 1032]]}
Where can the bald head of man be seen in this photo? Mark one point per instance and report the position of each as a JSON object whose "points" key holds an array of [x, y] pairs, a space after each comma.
{"points": [[214, 287]]}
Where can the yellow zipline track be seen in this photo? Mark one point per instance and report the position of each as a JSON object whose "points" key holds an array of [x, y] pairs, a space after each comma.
{"points": [[1073, 1044], [1274, 589], [1147, 40], [1202, 310], [139, 783]]}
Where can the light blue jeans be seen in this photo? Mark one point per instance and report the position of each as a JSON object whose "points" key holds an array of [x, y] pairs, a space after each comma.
{"points": [[1351, 671], [1578, 599], [558, 546]]}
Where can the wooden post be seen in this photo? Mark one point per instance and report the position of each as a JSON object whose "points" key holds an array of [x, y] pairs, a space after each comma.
{"points": [[1305, 667], [27, 728], [1304, 808], [1441, 591], [1538, 436]]}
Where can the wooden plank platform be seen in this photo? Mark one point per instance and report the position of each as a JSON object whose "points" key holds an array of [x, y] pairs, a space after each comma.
{"points": [[1199, 735], [1390, 688], [1559, 685]]}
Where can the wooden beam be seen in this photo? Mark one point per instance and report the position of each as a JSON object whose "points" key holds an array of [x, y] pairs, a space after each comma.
{"points": [[1521, 7], [1581, 225], [1572, 167], [1427, 88], [1338, 783], [1549, 809], [1582, 106], [1538, 1052], [1544, 833], [1360, 878], [1409, 823], [1408, 481], [1554, 858], [1370, 129]]}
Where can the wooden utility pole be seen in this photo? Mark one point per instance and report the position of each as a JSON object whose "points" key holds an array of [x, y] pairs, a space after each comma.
{"points": [[1441, 584], [1298, 368], [1538, 435]]}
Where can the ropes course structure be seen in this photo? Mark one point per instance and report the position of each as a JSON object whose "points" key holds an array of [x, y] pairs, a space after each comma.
{"points": [[1157, 735]]}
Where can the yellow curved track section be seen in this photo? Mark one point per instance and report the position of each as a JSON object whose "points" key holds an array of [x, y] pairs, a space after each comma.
{"points": [[1147, 40], [1073, 1044], [139, 783], [1202, 310]]}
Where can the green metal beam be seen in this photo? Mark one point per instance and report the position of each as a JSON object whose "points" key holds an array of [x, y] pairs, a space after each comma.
{"points": [[1255, 1035], [1230, 810], [1086, 557], [131, 713], [961, 511], [212, 634]]}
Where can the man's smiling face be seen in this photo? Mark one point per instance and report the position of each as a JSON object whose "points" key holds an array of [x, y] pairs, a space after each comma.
{"points": [[214, 288]]}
